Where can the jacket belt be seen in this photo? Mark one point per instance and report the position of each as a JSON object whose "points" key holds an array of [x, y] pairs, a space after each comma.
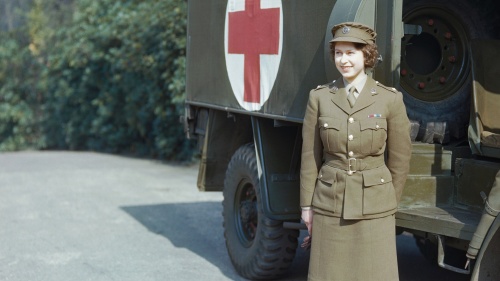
{"points": [[356, 164]]}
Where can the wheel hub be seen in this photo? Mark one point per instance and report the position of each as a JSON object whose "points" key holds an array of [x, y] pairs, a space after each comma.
{"points": [[246, 212], [434, 63]]}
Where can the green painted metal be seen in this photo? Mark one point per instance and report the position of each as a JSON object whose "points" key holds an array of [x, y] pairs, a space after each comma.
{"points": [[305, 60], [448, 221], [473, 177], [424, 191], [278, 149], [224, 134], [430, 159], [302, 64]]}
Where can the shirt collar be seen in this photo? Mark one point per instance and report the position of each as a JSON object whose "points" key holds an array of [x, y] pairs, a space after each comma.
{"points": [[359, 83]]}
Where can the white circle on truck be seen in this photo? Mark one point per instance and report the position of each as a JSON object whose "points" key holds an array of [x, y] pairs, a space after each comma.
{"points": [[253, 41]]}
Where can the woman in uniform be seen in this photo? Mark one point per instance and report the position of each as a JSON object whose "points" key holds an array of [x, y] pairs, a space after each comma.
{"points": [[355, 160]]}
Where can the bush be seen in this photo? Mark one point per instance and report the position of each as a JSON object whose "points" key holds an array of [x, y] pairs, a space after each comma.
{"points": [[19, 101], [111, 80]]}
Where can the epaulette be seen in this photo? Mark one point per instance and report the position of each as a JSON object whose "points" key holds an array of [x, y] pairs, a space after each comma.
{"points": [[329, 85], [390, 89], [320, 87]]}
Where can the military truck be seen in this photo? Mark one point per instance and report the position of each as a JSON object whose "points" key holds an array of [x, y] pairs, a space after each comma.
{"points": [[250, 67]]}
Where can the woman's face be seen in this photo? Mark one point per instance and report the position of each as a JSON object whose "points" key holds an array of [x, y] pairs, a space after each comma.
{"points": [[349, 61]]}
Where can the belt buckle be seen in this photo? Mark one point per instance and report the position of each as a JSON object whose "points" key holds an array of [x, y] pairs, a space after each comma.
{"points": [[351, 163]]}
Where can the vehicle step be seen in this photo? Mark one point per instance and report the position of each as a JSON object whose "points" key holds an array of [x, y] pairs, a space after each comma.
{"points": [[430, 159], [427, 191], [448, 221]]}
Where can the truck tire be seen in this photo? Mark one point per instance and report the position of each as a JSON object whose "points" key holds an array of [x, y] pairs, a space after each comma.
{"points": [[436, 66], [259, 247]]}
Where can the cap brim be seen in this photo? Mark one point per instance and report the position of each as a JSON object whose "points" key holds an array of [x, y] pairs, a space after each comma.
{"points": [[348, 39]]}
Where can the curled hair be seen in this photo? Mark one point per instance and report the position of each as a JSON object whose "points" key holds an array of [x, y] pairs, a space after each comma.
{"points": [[370, 53]]}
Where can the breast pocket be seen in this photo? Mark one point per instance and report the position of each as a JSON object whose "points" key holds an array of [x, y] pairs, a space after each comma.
{"points": [[324, 193], [330, 132], [379, 195], [373, 135]]}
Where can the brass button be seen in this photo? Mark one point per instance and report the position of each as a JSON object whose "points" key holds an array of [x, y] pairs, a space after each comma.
{"points": [[382, 180], [377, 126], [325, 125], [349, 173], [321, 175], [350, 137], [351, 153], [351, 120]]}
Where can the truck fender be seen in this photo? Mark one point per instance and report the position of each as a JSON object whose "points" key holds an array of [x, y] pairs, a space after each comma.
{"points": [[491, 210], [486, 266]]}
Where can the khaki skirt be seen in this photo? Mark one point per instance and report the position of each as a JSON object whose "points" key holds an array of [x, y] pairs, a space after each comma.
{"points": [[353, 250]]}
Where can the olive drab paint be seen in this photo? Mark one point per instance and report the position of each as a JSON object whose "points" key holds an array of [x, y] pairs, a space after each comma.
{"points": [[215, 76]]}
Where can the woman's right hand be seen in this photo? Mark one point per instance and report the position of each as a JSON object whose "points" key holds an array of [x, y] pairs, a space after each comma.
{"points": [[307, 217]]}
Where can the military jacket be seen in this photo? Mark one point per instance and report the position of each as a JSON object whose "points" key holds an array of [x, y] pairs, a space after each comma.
{"points": [[354, 160]]}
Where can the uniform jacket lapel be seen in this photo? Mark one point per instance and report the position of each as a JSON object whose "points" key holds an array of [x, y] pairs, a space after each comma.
{"points": [[339, 96]]}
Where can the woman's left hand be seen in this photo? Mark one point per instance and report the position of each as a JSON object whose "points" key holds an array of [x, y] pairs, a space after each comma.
{"points": [[307, 217]]}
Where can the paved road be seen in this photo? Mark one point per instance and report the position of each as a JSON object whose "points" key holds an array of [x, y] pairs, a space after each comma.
{"points": [[88, 216]]}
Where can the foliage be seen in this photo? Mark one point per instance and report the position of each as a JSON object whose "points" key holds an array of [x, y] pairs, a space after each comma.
{"points": [[111, 79], [19, 100]]}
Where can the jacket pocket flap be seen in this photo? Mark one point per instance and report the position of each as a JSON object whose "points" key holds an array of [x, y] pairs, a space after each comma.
{"points": [[373, 123], [376, 176], [329, 123], [327, 175]]}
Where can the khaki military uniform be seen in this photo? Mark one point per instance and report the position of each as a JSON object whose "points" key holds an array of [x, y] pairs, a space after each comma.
{"points": [[343, 171], [346, 179]]}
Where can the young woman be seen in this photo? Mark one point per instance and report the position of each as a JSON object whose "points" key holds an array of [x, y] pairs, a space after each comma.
{"points": [[355, 159]]}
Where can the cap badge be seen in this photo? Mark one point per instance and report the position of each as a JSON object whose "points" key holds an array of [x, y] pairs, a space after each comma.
{"points": [[346, 30]]}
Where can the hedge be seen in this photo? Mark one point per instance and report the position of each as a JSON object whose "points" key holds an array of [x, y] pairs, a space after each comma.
{"points": [[110, 80]]}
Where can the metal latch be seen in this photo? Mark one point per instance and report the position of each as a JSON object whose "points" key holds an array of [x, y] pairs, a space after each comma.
{"points": [[412, 29]]}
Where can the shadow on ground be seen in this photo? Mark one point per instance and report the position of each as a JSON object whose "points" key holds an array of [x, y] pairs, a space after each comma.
{"points": [[190, 226], [198, 228]]}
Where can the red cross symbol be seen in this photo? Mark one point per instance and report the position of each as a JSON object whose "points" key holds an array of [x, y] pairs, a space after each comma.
{"points": [[253, 32]]}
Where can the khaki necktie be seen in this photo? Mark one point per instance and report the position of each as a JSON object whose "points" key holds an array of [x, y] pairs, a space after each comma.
{"points": [[351, 97]]}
